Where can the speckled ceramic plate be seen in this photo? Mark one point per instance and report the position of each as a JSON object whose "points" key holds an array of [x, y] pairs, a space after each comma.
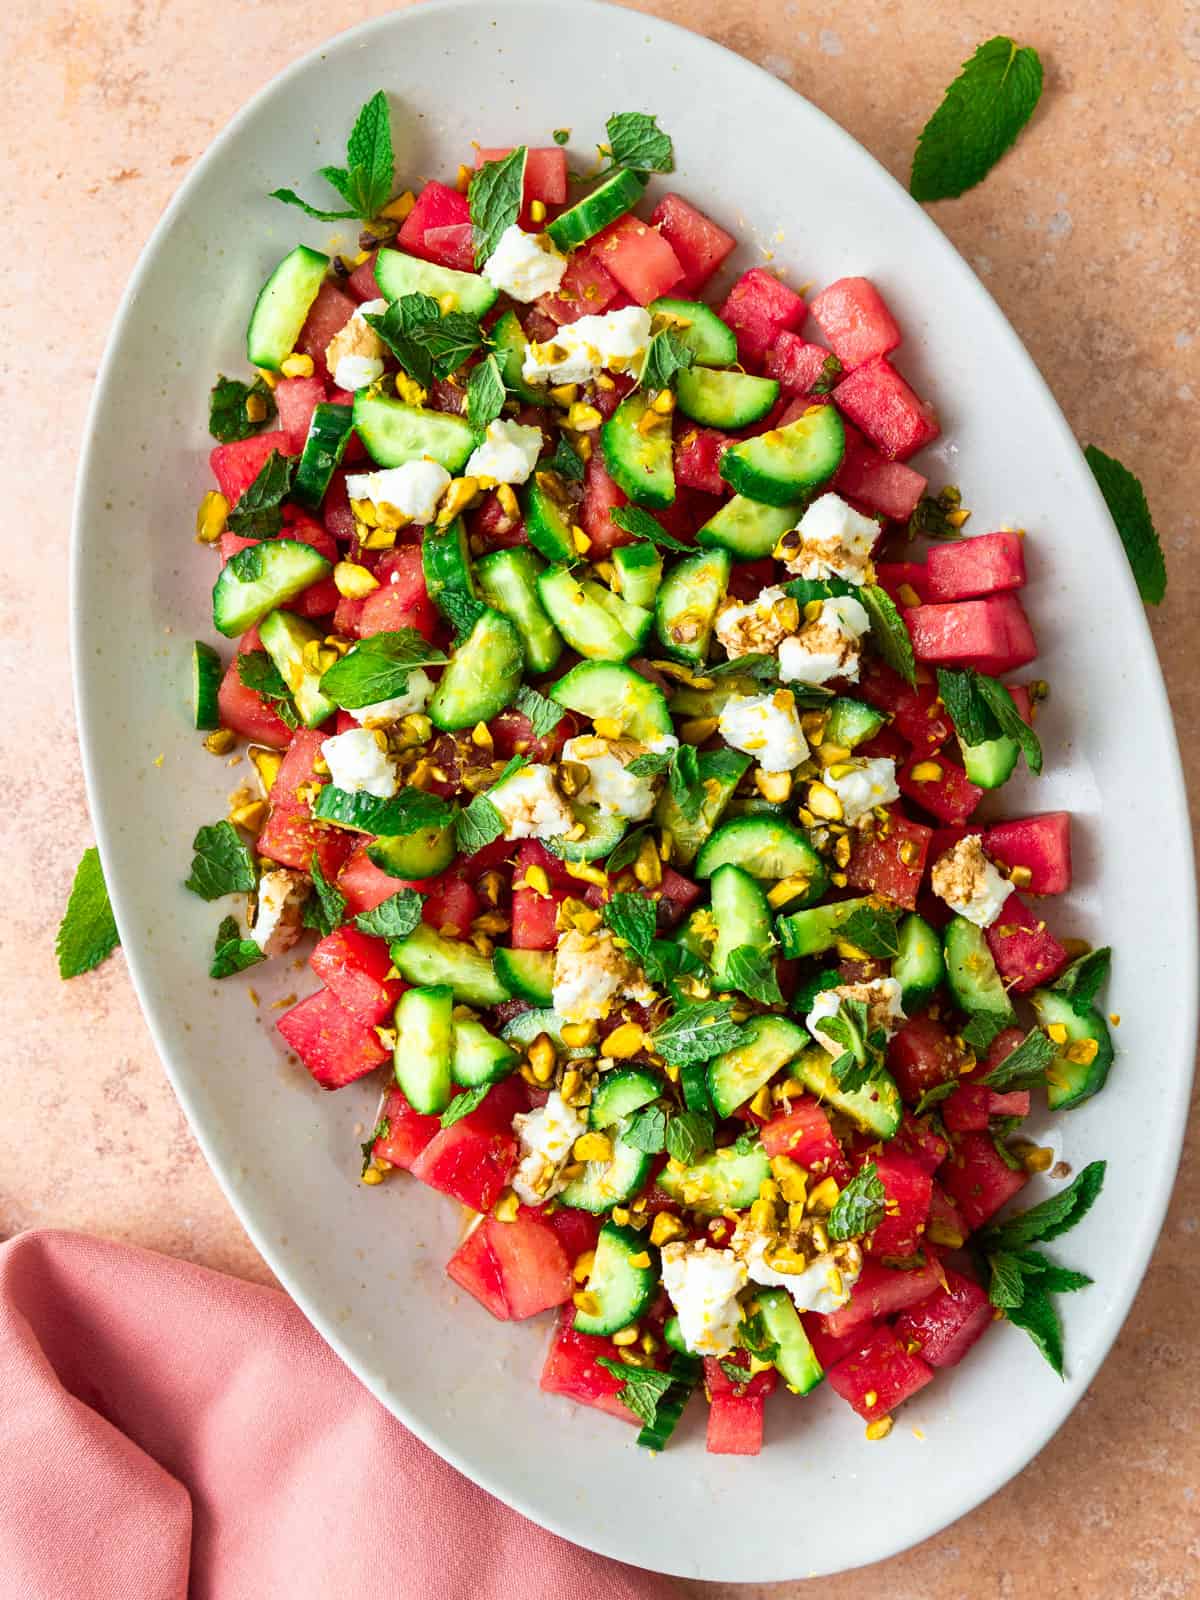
{"points": [[366, 1265]]}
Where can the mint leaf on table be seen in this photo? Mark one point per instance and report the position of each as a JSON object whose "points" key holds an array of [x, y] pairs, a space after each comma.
{"points": [[222, 863], [1126, 502], [666, 355], [932, 515], [1083, 979], [632, 917], [889, 633], [326, 906], [697, 1032], [636, 141], [752, 972], [393, 918], [494, 200], [228, 419], [544, 714], [365, 182], [860, 1207], [87, 934], [232, 953], [644, 527], [407, 812], [485, 393], [983, 111], [1026, 1065], [258, 513], [257, 671], [377, 668], [463, 1104], [641, 1387]]}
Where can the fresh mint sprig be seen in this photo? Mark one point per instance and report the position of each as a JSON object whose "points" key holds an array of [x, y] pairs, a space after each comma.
{"points": [[365, 182]]}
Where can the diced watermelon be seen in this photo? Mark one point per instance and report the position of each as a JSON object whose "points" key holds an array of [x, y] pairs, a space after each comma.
{"points": [[437, 207], [451, 905], [408, 1131], [335, 508], [830, 1348], [475, 1268], [747, 578], [297, 399], [362, 281], [533, 853], [805, 1134], [245, 712], [1026, 953], [235, 466], [697, 241], [735, 1425], [795, 364], [638, 257], [328, 315], [451, 246], [917, 1138], [1042, 844], [875, 482], [978, 1179], [758, 309], [986, 564], [472, 1159], [882, 405], [907, 1186], [992, 634], [945, 1226], [880, 1292], [944, 1327], [364, 884], [921, 1055], [335, 1047], [577, 1231], [490, 527], [545, 171], [998, 1052], [571, 1370], [512, 734], [967, 1109], [890, 862], [586, 290], [950, 796], [896, 575], [355, 967], [290, 835], [535, 919], [1014, 1103], [718, 1380], [853, 316], [879, 1376], [917, 714], [601, 497], [531, 1267], [402, 600], [698, 453]]}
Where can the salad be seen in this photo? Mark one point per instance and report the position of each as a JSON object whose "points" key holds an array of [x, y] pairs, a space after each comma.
{"points": [[623, 708]]}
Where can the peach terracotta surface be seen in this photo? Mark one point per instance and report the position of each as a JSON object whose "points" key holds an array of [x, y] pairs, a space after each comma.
{"points": [[1085, 235]]}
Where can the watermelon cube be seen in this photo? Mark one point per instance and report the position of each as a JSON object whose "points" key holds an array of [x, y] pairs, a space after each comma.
{"points": [[245, 712], [880, 1292], [1041, 845], [362, 282], [297, 399], [805, 1134], [852, 315], [944, 1327], [945, 1226], [472, 1159], [290, 836], [328, 314], [917, 714], [451, 246], [475, 1268], [986, 564], [830, 1348], [918, 1139], [939, 786], [587, 289], [335, 1047], [735, 1425], [897, 576], [907, 1186], [880, 404], [876, 483], [978, 1179], [967, 1109], [235, 466], [698, 453], [890, 860], [699, 244], [639, 258], [601, 497], [402, 600], [545, 172], [571, 1370], [759, 308], [522, 1260], [992, 634], [438, 206], [407, 1131], [1026, 953], [355, 966], [363, 883], [921, 1055], [797, 365], [879, 1376]]}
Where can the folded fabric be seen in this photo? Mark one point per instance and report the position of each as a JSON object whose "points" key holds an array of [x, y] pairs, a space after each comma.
{"points": [[168, 1433]]}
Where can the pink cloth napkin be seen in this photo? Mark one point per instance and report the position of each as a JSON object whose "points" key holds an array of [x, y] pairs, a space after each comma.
{"points": [[168, 1433]]}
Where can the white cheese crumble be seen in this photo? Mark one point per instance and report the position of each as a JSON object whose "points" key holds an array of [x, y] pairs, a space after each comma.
{"points": [[580, 350], [703, 1285], [867, 784], [828, 647], [417, 692], [881, 996], [508, 453], [413, 489], [354, 355], [524, 265], [547, 1135], [590, 973], [823, 1286], [969, 884], [756, 625], [357, 372], [767, 727], [280, 906], [530, 804], [610, 786], [358, 765], [835, 541]]}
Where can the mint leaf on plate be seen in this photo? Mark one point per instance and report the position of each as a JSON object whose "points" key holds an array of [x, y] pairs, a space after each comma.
{"points": [[365, 182], [393, 918], [636, 141], [228, 418], [223, 863], [494, 199], [983, 111]]}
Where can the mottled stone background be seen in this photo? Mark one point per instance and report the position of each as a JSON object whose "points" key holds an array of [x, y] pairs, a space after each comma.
{"points": [[1085, 235]]}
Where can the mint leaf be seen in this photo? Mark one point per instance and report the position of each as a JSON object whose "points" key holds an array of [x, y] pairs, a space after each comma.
{"points": [[494, 199], [227, 419], [666, 355], [809, 988], [222, 864], [642, 1388], [973, 718], [450, 340], [325, 908], [981, 1030], [1126, 502], [1050, 1276], [247, 564], [683, 780], [762, 668], [754, 1338], [632, 918], [377, 668], [561, 135], [410, 811], [291, 198], [381, 1130], [983, 111], [1026, 1065], [831, 371], [752, 971], [566, 461], [632, 519], [1052, 1217], [461, 610], [935, 1096], [859, 1208], [1007, 1286], [665, 961], [463, 1104], [1002, 706], [393, 918], [1036, 1314], [697, 1032], [889, 634], [400, 328], [1083, 979], [646, 1130], [931, 516], [875, 930], [257, 671], [543, 713], [480, 822], [485, 393], [863, 1045], [232, 953], [627, 850], [636, 141], [650, 764], [87, 934], [365, 183], [689, 1136], [258, 513]]}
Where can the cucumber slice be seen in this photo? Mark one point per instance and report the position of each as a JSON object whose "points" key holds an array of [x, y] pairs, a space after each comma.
{"points": [[446, 560], [1069, 1083], [261, 577], [595, 211], [643, 464], [594, 621], [207, 673], [693, 1080], [603, 832], [422, 854], [876, 1107], [727, 400], [398, 275], [687, 702], [991, 763], [694, 940], [622, 1291], [699, 329], [479, 1057], [621, 1093], [851, 721], [795, 1359], [605, 1184], [742, 915], [483, 675], [549, 513], [673, 1336], [328, 435], [769, 1043], [687, 603], [638, 572], [809, 932], [284, 637], [283, 305], [720, 773], [528, 974], [425, 1047], [607, 689], [395, 433], [765, 847], [510, 344], [784, 463], [508, 582], [918, 966], [723, 1180], [748, 529], [971, 973], [524, 1028], [426, 958]]}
